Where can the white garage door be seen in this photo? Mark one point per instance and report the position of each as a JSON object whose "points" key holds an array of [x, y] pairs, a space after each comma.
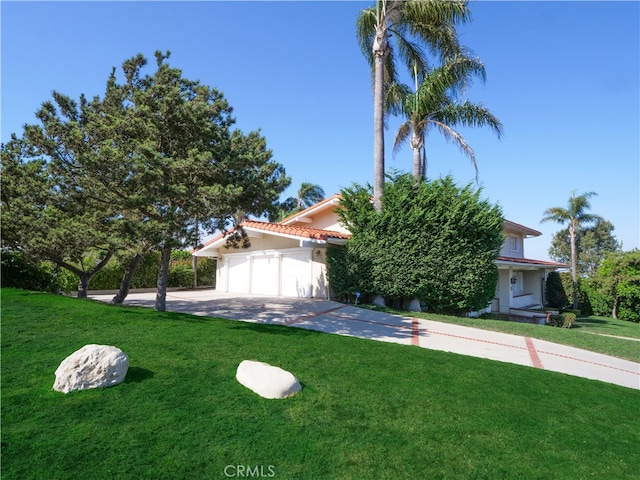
{"points": [[264, 275], [296, 275], [238, 274]]}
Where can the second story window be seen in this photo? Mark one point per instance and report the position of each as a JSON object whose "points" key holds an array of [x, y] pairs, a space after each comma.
{"points": [[514, 243]]}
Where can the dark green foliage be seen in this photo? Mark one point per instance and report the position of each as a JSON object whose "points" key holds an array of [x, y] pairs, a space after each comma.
{"points": [[616, 287], [432, 241], [593, 244], [146, 276], [181, 275], [563, 320], [19, 272], [144, 167], [596, 300], [556, 296], [47, 215], [207, 272], [346, 275]]}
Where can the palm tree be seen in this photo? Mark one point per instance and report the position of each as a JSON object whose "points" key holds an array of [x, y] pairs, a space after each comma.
{"points": [[576, 216], [413, 24], [433, 104], [309, 194]]}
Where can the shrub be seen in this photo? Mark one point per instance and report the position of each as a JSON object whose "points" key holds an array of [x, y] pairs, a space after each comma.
{"points": [[433, 241], [564, 320], [19, 272], [568, 319], [206, 271], [556, 320], [347, 272], [180, 275], [555, 295]]}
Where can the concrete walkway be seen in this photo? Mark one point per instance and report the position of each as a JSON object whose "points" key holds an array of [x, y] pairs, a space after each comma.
{"points": [[337, 318]]}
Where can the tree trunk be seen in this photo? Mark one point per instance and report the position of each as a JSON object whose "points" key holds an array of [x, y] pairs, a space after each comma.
{"points": [[418, 168], [84, 277], [380, 47], [194, 266], [83, 284], [574, 262], [614, 310], [125, 283], [163, 274]]}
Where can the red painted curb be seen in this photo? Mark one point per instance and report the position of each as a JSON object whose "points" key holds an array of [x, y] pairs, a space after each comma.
{"points": [[415, 332], [535, 359]]}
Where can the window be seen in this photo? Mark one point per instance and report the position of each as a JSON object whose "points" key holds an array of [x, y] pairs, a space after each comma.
{"points": [[514, 243]]}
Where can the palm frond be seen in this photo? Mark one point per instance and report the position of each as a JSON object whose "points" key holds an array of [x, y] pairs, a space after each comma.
{"points": [[309, 194], [433, 22], [403, 133], [470, 114], [397, 95], [453, 136], [556, 214], [365, 31]]}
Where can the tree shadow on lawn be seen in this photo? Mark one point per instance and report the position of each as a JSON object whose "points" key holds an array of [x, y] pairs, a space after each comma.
{"points": [[595, 323], [137, 375], [273, 329]]}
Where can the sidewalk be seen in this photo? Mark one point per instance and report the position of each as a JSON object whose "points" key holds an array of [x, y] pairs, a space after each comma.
{"points": [[332, 317]]}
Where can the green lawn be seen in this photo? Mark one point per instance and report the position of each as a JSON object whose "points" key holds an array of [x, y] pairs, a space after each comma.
{"points": [[590, 333], [368, 410]]}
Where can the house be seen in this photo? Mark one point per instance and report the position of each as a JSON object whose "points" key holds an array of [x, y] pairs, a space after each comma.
{"points": [[288, 259]]}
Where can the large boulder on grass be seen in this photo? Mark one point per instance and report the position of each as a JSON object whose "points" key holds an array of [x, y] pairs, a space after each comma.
{"points": [[266, 380], [92, 366]]}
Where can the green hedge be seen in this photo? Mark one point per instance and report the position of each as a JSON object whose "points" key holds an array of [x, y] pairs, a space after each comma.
{"points": [[146, 276], [18, 272]]}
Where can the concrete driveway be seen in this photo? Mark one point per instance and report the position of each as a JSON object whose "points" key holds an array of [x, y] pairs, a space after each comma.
{"points": [[337, 318]]}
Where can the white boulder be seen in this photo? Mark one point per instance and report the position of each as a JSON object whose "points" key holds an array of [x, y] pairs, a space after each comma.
{"points": [[92, 366], [266, 380]]}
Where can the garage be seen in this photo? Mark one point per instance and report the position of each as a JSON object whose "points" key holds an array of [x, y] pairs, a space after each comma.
{"points": [[295, 279], [280, 259], [287, 274], [264, 274], [238, 274]]}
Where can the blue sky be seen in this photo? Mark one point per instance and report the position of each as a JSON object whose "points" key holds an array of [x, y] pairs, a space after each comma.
{"points": [[563, 77]]}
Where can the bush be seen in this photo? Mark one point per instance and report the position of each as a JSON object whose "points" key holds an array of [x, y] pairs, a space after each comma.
{"points": [[19, 272], [346, 274], [180, 275], [563, 320], [432, 241], [555, 294], [206, 271], [568, 319]]}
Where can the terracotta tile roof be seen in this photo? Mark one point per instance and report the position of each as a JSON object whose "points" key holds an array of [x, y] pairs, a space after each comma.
{"points": [[296, 231], [529, 261]]}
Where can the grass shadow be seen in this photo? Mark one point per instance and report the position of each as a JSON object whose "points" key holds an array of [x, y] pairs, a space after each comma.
{"points": [[137, 374], [274, 329]]}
